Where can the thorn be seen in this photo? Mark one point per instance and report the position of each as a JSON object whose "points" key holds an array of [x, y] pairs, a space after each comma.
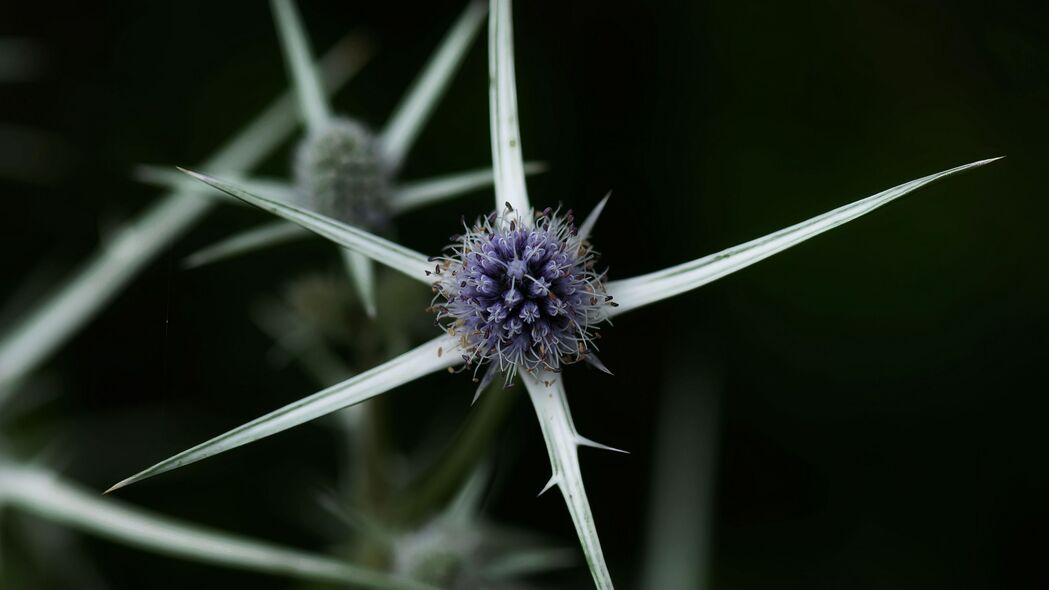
{"points": [[591, 220], [553, 482], [586, 442], [119, 485], [485, 382], [592, 359]]}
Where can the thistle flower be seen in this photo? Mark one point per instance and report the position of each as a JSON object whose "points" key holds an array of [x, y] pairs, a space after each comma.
{"points": [[459, 549], [521, 295], [542, 378]]}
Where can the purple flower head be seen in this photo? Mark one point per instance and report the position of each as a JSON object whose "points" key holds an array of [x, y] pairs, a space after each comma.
{"points": [[520, 297]]}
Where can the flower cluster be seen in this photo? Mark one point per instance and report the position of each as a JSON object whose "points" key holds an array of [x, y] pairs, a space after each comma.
{"points": [[340, 173], [521, 296]]}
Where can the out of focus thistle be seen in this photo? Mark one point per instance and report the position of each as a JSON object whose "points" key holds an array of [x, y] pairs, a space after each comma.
{"points": [[496, 287], [344, 170], [337, 168], [459, 550]]}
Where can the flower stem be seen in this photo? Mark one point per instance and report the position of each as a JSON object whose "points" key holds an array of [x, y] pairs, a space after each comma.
{"points": [[439, 483]]}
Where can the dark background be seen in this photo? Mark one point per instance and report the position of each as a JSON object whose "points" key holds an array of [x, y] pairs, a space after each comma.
{"points": [[882, 386]]}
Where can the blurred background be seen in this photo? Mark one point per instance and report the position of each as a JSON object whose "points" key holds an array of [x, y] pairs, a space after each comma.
{"points": [[869, 405]]}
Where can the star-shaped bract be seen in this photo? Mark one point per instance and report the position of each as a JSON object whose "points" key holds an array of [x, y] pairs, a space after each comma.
{"points": [[546, 388]]}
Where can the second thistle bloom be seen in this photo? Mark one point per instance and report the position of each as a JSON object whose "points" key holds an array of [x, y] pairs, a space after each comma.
{"points": [[340, 174], [521, 297]]}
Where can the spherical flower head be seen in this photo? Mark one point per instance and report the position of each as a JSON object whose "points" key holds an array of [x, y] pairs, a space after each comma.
{"points": [[521, 296], [340, 173]]}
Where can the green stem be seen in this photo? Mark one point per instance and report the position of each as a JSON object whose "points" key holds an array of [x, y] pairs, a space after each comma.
{"points": [[439, 483]]}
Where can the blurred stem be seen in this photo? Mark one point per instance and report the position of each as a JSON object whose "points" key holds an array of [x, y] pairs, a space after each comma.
{"points": [[683, 479], [439, 483], [42, 493], [358, 424], [122, 256]]}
